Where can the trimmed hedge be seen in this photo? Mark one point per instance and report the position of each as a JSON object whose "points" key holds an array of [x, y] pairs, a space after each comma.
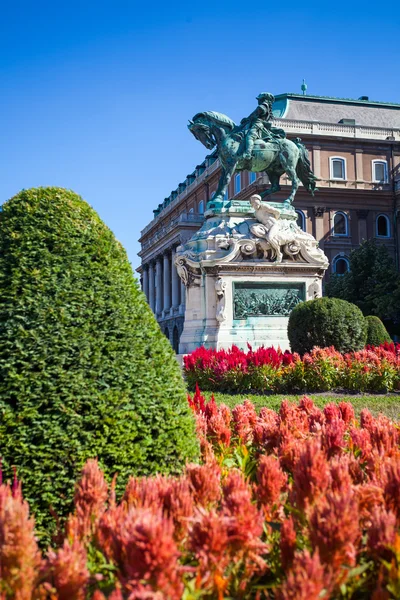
{"points": [[85, 370], [376, 331], [325, 322]]}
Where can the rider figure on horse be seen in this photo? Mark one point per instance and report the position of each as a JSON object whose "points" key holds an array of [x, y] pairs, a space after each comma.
{"points": [[257, 125]]}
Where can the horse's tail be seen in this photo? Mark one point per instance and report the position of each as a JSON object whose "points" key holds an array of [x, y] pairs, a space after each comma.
{"points": [[303, 168]]}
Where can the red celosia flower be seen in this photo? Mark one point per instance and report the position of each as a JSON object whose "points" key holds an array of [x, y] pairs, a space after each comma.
{"points": [[305, 580], [171, 495], [271, 480], [198, 402], [381, 533], [333, 436], [209, 542], [341, 480], [392, 485], [332, 412], [346, 412], [369, 496], [361, 439], [90, 499], [19, 555], [68, 572], [205, 482], [334, 528], [266, 429], [246, 526], [244, 419], [311, 474], [287, 542], [140, 541]]}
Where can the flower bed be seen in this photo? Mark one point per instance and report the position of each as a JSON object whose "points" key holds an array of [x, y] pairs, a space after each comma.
{"points": [[300, 504], [374, 369]]}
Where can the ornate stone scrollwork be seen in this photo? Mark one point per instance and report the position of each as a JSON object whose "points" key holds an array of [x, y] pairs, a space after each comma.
{"points": [[265, 233], [220, 287]]}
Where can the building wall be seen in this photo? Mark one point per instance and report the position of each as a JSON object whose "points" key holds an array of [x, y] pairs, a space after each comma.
{"points": [[357, 196]]}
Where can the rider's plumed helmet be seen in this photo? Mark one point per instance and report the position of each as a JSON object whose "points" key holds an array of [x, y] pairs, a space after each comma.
{"points": [[266, 96]]}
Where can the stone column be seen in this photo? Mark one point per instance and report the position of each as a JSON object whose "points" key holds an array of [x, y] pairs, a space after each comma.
{"points": [[316, 152], [159, 291], [175, 282], [145, 282], [359, 166], [362, 215], [152, 295], [319, 225], [166, 285], [183, 299]]}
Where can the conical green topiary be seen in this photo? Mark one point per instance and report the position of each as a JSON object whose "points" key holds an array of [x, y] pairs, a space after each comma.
{"points": [[84, 368]]}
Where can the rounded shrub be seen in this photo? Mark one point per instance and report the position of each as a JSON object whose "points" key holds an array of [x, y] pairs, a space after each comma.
{"points": [[326, 322], [376, 331], [84, 368]]}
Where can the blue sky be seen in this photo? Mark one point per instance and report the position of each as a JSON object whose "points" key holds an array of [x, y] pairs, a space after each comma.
{"points": [[96, 95]]}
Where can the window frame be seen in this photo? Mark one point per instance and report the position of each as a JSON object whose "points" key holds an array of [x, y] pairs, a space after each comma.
{"points": [[336, 259], [303, 219], [389, 229], [200, 207], [252, 177], [344, 163], [346, 220], [237, 178], [385, 166]]}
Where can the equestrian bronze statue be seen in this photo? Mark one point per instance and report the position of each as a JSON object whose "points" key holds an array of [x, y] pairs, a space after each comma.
{"points": [[254, 145]]}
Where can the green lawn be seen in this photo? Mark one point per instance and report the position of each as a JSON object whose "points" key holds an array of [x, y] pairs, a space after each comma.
{"points": [[386, 404]]}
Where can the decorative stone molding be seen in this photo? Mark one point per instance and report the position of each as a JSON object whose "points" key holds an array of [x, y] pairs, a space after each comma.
{"points": [[265, 232]]}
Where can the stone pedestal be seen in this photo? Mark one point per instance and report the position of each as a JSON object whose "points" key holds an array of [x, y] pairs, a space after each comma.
{"points": [[244, 272]]}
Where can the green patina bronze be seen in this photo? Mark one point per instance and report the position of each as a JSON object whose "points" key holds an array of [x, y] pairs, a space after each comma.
{"points": [[265, 300], [253, 145]]}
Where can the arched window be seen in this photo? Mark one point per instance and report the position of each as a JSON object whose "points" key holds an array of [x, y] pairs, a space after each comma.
{"points": [[340, 265], [337, 167], [301, 219], [238, 183], [191, 211], [252, 177], [340, 224], [382, 226], [166, 333], [201, 207], [212, 194], [379, 171]]}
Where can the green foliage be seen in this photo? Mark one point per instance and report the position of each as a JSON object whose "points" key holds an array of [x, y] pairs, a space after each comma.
{"points": [[326, 322], [376, 333], [84, 368], [372, 283]]}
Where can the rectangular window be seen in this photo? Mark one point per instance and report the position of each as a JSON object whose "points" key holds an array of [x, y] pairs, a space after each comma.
{"points": [[380, 171], [338, 168], [238, 186], [252, 177]]}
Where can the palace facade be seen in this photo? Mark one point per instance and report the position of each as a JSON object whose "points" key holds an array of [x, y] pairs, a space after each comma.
{"points": [[354, 148]]}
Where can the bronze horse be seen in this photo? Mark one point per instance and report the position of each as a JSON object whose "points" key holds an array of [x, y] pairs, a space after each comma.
{"points": [[275, 155]]}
